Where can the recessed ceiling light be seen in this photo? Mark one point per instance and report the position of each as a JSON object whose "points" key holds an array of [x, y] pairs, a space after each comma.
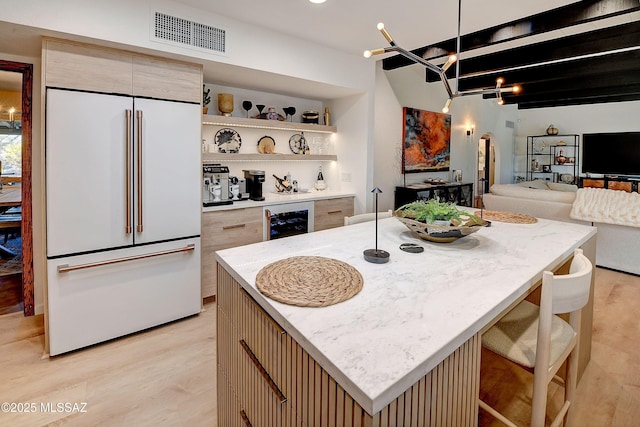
{"points": [[317, 1]]}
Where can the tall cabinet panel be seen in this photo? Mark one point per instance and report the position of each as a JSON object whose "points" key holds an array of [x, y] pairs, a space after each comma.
{"points": [[169, 191], [86, 171]]}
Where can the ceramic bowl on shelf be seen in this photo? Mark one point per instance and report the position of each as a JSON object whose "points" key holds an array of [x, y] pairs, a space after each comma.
{"points": [[566, 178]]}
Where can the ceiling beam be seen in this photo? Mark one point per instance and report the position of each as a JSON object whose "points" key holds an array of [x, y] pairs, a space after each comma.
{"points": [[573, 14]]}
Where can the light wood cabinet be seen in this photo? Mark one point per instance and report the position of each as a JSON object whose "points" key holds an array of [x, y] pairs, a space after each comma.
{"points": [[166, 79], [265, 378], [73, 65], [222, 230], [330, 213], [84, 67]]}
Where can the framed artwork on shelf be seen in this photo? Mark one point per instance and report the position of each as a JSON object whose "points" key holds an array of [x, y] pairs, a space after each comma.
{"points": [[426, 141]]}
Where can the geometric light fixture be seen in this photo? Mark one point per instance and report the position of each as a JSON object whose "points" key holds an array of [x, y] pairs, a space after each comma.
{"points": [[498, 89], [415, 58]]}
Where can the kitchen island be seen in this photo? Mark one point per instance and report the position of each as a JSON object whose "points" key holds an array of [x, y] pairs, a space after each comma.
{"points": [[405, 349]]}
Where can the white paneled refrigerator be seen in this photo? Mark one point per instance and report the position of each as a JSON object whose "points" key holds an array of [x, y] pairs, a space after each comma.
{"points": [[123, 215]]}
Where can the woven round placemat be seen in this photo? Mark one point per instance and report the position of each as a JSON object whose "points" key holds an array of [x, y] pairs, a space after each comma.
{"points": [[507, 217], [309, 281]]}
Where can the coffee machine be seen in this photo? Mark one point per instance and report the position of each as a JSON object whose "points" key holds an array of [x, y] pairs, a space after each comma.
{"points": [[254, 180], [215, 185], [241, 183]]}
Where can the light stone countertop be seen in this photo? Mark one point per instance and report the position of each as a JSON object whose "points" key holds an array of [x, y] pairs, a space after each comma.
{"points": [[273, 198], [413, 311]]}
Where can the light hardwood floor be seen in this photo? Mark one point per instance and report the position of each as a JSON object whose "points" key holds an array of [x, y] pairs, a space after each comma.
{"points": [[609, 391], [166, 376]]}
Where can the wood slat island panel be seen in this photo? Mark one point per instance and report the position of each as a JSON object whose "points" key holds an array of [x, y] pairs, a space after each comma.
{"points": [[285, 386]]}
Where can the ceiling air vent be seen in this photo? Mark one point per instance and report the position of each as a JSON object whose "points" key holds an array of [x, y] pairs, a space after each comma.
{"points": [[190, 33]]}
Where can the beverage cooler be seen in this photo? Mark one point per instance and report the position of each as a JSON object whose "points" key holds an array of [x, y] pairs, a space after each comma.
{"points": [[287, 220]]}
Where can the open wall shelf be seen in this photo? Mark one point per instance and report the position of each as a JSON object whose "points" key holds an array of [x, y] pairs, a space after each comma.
{"points": [[239, 157], [242, 122]]}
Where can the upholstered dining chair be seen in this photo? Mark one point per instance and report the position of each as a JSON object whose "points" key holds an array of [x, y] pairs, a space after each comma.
{"points": [[349, 220], [535, 338]]}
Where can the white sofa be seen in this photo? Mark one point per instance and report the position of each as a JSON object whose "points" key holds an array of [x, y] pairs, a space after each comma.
{"points": [[618, 247]]}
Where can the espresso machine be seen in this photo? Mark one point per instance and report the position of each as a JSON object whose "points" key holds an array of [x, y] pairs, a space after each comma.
{"points": [[254, 180], [215, 185]]}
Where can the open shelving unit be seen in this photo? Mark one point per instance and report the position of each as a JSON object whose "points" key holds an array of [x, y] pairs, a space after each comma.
{"points": [[241, 122], [542, 155]]}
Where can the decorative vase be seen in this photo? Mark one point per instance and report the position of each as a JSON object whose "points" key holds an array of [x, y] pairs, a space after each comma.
{"points": [[552, 130], [225, 104], [561, 159]]}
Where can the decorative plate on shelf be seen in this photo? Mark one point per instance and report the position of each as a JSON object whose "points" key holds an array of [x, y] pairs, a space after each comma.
{"points": [[538, 147], [228, 141], [266, 145], [298, 143]]}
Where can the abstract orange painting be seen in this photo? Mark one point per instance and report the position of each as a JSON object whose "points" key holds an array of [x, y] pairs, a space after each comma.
{"points": [[426, 141]]}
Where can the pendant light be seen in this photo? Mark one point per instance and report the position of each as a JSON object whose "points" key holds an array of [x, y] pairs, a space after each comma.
{"points": [[498, 89]]}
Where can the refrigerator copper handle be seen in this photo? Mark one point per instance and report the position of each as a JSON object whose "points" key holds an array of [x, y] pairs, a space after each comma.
{"points": [[127, 172], [66, 267], [139, 151]]}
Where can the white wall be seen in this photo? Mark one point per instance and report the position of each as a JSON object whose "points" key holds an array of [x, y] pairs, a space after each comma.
{"points": [[579, 119], [406, 87], [129, 23]]}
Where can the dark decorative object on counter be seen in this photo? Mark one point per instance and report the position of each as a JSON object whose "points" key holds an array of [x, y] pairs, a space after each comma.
{"points": [[376, 256]]}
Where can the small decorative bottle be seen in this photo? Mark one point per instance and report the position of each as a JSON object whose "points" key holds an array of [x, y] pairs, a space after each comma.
{"points": [[327, 117], [320, 184]]}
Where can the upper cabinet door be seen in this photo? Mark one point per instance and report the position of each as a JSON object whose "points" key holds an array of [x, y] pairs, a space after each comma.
{"points": [[86, 175], [164, 79], [170, 185], [85, 67], [75, 65]]}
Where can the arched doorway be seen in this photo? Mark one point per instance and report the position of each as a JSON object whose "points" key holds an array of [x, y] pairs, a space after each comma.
{"points": [[486, 167], [26, 226]]}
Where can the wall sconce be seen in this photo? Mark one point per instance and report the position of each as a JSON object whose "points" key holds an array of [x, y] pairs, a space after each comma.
{"points": [[470, 129]]}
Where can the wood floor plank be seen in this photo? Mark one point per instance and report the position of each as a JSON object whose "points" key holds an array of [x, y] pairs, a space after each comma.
{"points": [[166, 376], [161, 377], [604, 395]]}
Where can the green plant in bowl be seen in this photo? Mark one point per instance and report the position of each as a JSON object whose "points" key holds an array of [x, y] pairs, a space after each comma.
{"points": [[434, 210], [438, 221]]}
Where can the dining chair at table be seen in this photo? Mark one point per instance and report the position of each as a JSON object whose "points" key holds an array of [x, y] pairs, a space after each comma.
{"points": [[356, 219], [535, 338]]}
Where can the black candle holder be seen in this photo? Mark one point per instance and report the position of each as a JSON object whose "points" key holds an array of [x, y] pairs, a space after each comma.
{"points": [[376, 256]]}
